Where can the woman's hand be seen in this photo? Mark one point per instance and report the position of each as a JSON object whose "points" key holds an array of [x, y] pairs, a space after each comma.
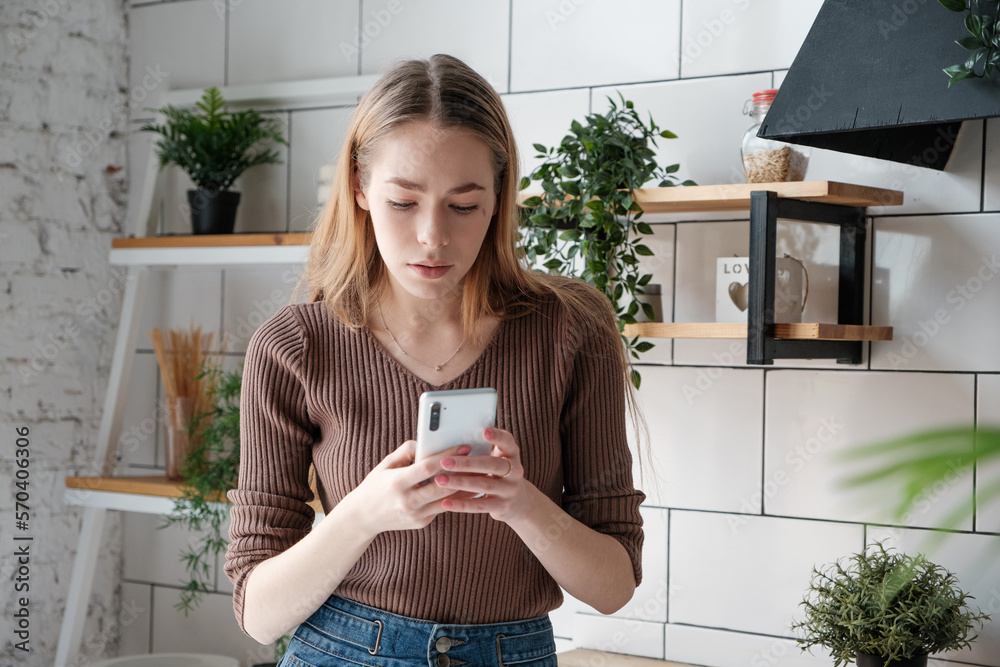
{"points": [[391, 497], [499, 475]]}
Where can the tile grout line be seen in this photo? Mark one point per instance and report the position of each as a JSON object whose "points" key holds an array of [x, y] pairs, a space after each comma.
{"points": [[510, 41]]}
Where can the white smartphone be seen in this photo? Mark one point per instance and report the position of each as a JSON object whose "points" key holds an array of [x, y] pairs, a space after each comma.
{"points": [[446, 419]]}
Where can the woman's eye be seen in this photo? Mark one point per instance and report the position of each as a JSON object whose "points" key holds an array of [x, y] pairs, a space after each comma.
{"points": [[466, 209], [399, 205]]}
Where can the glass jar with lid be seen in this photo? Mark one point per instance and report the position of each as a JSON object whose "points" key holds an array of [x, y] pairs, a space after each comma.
{"points": [[766, 160]]}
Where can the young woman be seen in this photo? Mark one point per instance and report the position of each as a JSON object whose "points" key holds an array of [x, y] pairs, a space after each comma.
{"points": [[415, 285]]}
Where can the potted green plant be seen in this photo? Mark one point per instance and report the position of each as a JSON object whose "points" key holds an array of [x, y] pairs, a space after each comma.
{"points": [[886, 609], [214, 147], [586, 222]]}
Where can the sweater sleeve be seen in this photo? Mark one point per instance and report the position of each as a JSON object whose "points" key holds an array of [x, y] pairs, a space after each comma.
{"points": [[270, 510], [597, 464]]}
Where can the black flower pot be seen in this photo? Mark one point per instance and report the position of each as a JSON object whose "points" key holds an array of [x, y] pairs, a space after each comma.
{"points": [[213, 211], [865, 660]]}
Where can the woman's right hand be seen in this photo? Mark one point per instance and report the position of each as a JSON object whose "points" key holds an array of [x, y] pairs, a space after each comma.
{"points": [[391, 496]]}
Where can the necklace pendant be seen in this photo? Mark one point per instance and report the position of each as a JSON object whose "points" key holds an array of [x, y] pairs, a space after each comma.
{"points": [[437, 368]]}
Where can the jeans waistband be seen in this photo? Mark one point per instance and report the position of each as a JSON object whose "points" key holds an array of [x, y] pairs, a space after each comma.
{"points": [[351, 631]]}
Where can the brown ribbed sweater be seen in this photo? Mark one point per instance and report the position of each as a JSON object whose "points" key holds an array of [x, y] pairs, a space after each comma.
{"points": [[316, 391]]}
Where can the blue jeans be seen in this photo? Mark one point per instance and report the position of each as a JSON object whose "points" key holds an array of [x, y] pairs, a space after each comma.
{"points": [[345, 632]]}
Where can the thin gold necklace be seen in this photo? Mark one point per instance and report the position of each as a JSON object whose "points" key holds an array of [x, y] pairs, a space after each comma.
{"points": [[436, 367]]}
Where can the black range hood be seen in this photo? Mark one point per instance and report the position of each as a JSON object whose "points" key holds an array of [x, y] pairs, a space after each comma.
{"points": [[868, 80]]}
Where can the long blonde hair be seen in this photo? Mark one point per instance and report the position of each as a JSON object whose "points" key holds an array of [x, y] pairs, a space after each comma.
{"points": [[345, 269]]}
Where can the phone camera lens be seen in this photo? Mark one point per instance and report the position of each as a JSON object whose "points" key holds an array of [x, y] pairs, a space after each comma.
{"points": [[435, 416]]}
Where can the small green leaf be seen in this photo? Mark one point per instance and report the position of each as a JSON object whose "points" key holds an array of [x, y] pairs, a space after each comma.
{"points": [[570, 235], [644, 228], [540, 148], [636, 378], [532, 202], [643, 251], [672, 168], [553, 264], [953, 5], [971, 43], [644, 346], [667, 134], [974, 24]]}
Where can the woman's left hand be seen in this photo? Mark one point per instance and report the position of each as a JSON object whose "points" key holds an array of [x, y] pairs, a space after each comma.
{"points": [[499, 475]]}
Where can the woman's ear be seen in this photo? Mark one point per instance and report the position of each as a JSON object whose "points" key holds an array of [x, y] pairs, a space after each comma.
{"points": [[359, 194]]}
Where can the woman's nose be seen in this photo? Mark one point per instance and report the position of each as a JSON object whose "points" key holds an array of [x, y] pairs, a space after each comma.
{"points": [[432, 229]]}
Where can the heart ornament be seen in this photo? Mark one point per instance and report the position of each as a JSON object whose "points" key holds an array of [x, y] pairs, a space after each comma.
{"points": [[738, 292]]}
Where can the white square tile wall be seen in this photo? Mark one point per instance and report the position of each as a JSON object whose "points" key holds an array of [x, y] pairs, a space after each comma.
{"points": [[317, 137], [649, 603], [134, 618], [291, 41], [477, 33], [991, 182], [813, 417], [210, 628], [173, 46], [264, 191], [732, 36], [142, 417], [618, 635], [705, 425], [569, 44], [253, 295], [692, 645], [543, 118], [180, 299], [937, 283], [955, 190], [748, 573]]}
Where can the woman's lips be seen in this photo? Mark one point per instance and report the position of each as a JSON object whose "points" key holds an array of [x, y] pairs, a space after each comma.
{"points": [[430, 272]]}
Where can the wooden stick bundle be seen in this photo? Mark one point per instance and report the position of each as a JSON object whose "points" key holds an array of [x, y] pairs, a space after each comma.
{"points": [[182, 357]]}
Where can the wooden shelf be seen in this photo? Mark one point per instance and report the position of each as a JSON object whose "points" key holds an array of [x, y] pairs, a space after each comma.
{"points": [[803, 331], [734, 197], [212, 240], [125, 493], [700, 198], [211, 249]]}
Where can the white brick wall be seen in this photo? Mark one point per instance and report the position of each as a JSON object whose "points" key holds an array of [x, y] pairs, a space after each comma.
{"points": [[747, 500], [63, 187]]}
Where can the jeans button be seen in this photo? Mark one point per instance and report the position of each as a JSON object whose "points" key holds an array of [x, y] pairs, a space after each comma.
{"points": [[443, 660], [443, 644]]}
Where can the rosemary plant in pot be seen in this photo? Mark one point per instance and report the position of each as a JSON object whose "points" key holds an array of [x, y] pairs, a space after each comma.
{"points": [[586, 222], [886, 609], [214, 147]]}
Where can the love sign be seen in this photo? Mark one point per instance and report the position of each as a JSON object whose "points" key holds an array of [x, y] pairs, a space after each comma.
{"points": [[732, 294]]}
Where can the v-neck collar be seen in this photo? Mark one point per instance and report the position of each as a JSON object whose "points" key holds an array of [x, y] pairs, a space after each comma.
{"points": [[380, 350]]}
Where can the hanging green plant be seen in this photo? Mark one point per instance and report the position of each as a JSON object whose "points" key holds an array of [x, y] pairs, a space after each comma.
{"points": [[982, 42], [208, 471], [586, 221]]}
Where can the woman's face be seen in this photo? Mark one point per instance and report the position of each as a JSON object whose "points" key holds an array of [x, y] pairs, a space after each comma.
{"points": [[431, 198]]}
